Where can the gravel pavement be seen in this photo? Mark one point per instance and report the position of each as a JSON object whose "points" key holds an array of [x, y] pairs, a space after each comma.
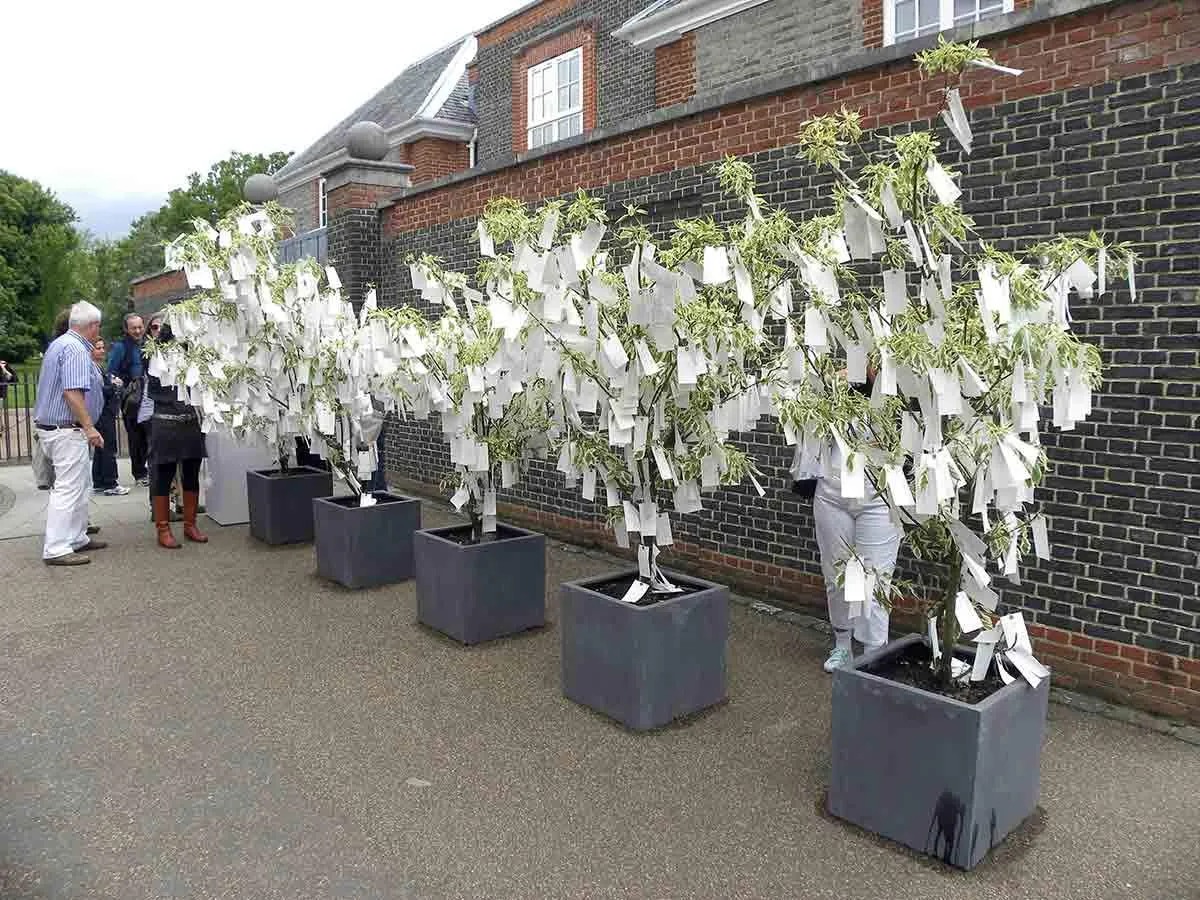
{"points": [[219, 722]]}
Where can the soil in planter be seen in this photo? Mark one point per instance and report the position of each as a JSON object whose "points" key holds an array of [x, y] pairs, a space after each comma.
{"points": [[380, 499], [911, 666], [290, 473], [616, 588], [462, 535]]}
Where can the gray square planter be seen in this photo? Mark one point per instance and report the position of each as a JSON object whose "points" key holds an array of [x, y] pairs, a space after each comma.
{"points": [[644, 665], [365, 546], [280, 503], [478, 592], [943, 777]]}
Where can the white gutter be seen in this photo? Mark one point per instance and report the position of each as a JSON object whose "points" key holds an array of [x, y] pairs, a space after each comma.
{"points": [[650, 29]]}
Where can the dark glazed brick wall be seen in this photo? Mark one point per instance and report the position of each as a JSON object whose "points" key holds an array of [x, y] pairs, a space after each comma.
{"points": [[1121, 157], [353, 249], [773, 37], [625, 74]]}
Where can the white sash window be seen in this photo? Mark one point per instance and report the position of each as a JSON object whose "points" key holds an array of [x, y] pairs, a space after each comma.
{"points": [[555, 99]]}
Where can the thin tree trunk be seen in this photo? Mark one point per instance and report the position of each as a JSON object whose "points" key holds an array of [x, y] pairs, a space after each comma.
{"points": [[948, 632]]}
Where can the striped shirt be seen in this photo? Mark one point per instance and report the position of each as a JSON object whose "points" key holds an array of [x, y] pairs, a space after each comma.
{"points": [[66, 366], [93, 400]]}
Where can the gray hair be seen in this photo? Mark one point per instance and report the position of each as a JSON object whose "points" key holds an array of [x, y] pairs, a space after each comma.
{"points": [[83, 314], [128, 316]]}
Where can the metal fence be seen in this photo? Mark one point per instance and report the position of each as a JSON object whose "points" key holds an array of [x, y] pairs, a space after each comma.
{"points": [[17, 400], [312, 243]]}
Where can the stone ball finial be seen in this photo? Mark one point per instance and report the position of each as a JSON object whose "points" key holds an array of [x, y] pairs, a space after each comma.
{"points": [[260, 188], [367, 140]]}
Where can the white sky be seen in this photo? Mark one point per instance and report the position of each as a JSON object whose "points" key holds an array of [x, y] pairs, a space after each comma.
{"points": [[110, 105]]}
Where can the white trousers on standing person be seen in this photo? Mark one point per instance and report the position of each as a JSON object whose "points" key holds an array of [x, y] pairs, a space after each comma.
{"points": [[67, 514], [866, 526]]}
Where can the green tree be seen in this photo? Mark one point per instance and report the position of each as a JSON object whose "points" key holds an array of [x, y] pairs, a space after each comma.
{"points": [[43, 263]]}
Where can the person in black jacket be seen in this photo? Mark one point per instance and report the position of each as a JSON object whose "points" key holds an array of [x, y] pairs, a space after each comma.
{"points": [[104, 458], [175, 441], [126, 363]]}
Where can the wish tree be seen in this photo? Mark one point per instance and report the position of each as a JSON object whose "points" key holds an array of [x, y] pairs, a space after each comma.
{"points": [[268, 352], [649, 365], [470, 366], [960, 343]]}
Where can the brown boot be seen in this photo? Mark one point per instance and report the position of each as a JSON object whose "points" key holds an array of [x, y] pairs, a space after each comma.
{"points": [[191, 503], [162, 521]]}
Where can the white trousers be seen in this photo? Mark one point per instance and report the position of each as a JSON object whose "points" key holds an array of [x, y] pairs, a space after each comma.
{"points": [[67, 514], [866, 526]]}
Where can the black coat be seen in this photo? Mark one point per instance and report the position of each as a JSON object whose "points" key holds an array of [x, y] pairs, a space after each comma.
{"points": [[175, 431]]}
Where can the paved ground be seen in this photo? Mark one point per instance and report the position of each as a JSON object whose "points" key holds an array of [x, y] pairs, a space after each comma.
{"points": [[217, 722]]}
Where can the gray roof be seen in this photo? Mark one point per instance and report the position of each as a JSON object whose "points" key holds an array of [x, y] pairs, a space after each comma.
{"points": [[398, 102], [458, 104]]}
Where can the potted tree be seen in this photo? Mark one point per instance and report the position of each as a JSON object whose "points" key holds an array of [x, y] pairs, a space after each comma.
{"points": [[482, 580], [965, 345], [239, 360], [650, 366], [275, 353]]}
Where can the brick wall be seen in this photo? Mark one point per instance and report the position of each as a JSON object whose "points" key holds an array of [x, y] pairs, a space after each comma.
{"points": [[433, 158], [583, 37], [624, 75], [302, 199], [774, 37], [1094, 136], [675, 71], [153, 292]]}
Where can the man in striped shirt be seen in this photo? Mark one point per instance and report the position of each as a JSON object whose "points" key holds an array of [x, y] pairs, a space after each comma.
{"points": [[68, 434]]}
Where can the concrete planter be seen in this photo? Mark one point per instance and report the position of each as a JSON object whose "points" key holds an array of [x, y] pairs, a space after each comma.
{"points": [[943, 777], [478, 592], [228, 463], [280, 503], [365, 546], [644, 665]]}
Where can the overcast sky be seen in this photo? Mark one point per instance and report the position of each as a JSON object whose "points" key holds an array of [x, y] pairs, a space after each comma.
{"points": [[111, 105]]}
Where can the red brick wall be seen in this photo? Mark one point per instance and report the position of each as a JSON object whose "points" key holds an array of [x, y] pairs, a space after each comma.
{"points": [[1074, 51], [433, 158], [584, 37], [872, 16], [159, 285], [675, 71], [527, 19], [356, 196]]}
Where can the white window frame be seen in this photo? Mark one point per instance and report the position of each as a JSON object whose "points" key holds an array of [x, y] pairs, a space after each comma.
{"points": [[551, 113], [945, 19], [322, 204]]}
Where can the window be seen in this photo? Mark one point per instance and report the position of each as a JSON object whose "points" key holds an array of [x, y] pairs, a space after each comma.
{"points": [[322, 205], [555, 99], [908, 19]]}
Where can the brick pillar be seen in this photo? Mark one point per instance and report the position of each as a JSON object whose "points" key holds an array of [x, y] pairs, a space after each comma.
{"points": [[354, 190]]}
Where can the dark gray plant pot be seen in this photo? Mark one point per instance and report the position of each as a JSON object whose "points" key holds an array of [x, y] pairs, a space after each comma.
{"points": [[943, 777], [644, 665], [280, 503], [365, 546], [478, 592]]}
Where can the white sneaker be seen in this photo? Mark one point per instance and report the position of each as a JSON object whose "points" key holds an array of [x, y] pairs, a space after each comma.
{"points": [[119, 491], [838, 657]]}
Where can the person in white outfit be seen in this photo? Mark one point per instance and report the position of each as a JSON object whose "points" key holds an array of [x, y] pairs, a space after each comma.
{"points": [[843, 524], [864, 525], [66, 425]]}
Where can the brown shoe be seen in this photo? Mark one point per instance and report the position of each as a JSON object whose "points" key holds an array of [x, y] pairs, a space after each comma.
{"points": [[69, 559], [93, 529], [191, 500], [92, 544], [162, 522]]}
